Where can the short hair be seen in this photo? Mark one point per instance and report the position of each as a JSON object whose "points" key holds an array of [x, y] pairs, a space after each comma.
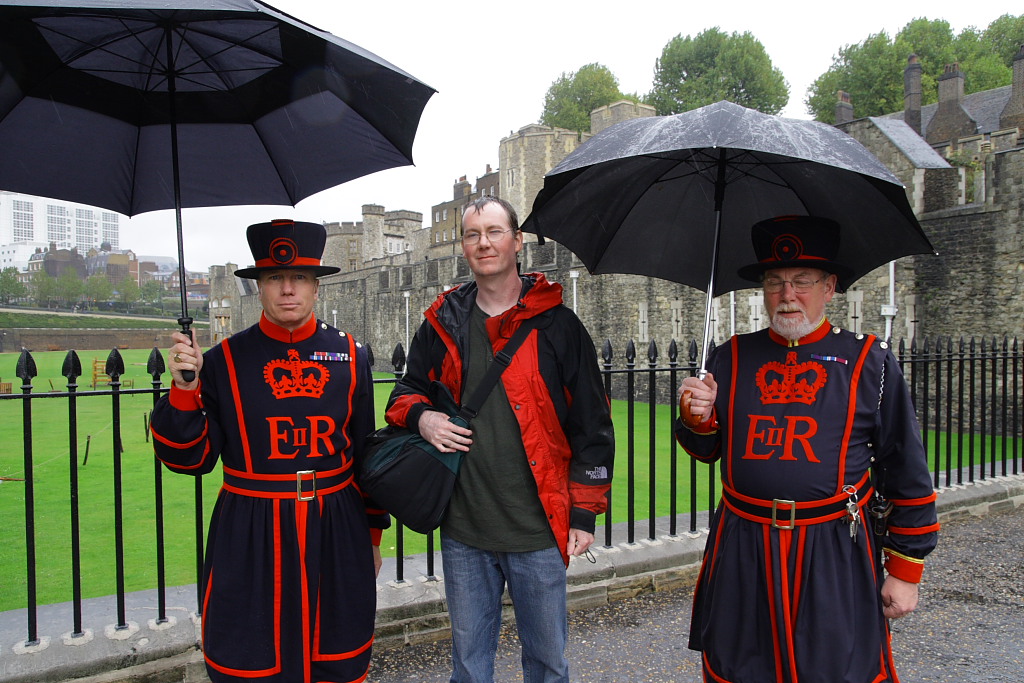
{"points": [[479, 204]]}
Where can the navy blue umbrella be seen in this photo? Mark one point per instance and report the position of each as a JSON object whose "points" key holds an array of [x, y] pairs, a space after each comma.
{"points": [[139, 105], [674, 197]]}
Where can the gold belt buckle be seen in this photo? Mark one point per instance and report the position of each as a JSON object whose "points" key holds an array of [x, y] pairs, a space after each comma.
{"points": [[792, 513], [298, 485]]}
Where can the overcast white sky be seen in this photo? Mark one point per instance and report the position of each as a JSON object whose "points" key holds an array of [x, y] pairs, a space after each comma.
{"points": [[492, 64]]}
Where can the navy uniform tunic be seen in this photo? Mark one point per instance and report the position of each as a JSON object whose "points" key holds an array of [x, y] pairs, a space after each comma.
{"points": [[289, 585], [785, 595]]}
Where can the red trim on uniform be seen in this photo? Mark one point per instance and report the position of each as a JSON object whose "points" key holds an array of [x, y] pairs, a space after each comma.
{"points": [[376, 535], [236, 395], [297, 262], [785, 546], [727, 435], [770, 586], [276, 669], [819, 333], [301, 523], [186, 399], [906, 568], [177, 444], [851, 409], [278, 333], [707, 669], [799, 580], [910, 502], [289, 495], [351, 393], [914, 531]]}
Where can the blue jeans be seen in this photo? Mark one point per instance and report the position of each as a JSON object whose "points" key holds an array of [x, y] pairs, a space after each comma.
{"points": [[474, 580]]}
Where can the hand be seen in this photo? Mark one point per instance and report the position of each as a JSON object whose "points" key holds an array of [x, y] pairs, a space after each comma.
{"points": [[377, 561], [697, 399], [899, 597], [184, 355], [579, 541], [446, 436]]}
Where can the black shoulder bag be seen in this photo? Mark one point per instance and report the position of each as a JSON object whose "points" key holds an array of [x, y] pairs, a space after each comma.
{"points": [[406, 475]]}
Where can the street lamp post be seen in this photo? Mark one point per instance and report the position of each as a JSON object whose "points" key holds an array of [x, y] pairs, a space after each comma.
{"points": [[575, 276], [406, 295], [334, 312]]}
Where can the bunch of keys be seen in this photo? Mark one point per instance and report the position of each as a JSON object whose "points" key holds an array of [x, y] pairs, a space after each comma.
{"points": [[852, 510]]}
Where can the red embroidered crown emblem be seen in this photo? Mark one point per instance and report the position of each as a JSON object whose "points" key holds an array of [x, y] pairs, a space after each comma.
{"points": [[293, 377], [791, 383]]}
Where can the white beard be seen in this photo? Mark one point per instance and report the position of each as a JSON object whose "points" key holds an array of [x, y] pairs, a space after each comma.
{"points": [[792, 328]]}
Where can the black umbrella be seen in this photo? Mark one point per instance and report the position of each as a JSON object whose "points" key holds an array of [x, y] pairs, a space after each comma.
{"points": [[674, 197], [142, 105]]}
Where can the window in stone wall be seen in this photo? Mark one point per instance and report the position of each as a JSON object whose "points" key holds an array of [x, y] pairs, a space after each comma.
{"points": [[510, 176], [384, 279], [461, 269], [407, 276], [677, 319], [854, 310], [756, 319], [431, 271], [642, 321]]}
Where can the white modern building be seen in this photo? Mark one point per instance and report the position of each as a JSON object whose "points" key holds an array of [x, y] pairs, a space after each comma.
{"points": [[28, 222]]}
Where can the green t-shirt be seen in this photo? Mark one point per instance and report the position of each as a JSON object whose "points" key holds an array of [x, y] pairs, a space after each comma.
{"points": [[495, 504]]}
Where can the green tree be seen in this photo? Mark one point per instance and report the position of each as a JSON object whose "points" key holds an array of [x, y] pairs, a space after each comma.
{"points": [[572, 97], [44, 288], [872, 71], [713, 66], [129, 292], [11, 287], [69, 286], [98, 289], [1004, 36], [152, 293]]}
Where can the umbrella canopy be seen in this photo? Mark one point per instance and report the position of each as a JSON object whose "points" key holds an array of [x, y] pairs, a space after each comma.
{"points": [[138, 105], [674, 197], [265, 108]]}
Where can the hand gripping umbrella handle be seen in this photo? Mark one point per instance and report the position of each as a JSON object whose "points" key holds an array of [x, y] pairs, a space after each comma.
{"points": [[187, 375]]}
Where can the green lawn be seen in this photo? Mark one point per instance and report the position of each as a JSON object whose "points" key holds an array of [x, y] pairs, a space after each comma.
{"points": [[52, 467]]}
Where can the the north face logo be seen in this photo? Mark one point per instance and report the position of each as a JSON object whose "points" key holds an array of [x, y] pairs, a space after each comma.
{"points": [[600, 472]]}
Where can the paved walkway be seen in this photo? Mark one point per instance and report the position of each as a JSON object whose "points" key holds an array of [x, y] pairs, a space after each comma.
{"points": [[968, 628]]}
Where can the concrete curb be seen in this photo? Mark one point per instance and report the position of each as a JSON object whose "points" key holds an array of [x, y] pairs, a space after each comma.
{"points": [[410, 612]]}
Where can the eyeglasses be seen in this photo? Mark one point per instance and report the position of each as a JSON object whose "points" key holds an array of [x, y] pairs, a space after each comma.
{"points": [[493, 235], [801, 285]]}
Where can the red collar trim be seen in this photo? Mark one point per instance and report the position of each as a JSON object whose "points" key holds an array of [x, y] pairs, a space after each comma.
{"points": [[275, 331], [817, 335]]}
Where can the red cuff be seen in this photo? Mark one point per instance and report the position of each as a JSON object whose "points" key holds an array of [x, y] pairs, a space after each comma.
{"points": [[375, 536], [909, 569], [183, 399]]}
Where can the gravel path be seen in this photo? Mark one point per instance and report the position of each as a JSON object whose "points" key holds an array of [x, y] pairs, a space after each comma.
{"points": [[969, 627]]}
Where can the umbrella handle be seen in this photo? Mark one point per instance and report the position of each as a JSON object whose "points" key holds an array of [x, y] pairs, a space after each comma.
{"points": [[187, 376]]}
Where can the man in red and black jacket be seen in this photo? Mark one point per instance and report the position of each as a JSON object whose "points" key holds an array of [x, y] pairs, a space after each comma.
{"points": [[539, 455], [293, 547]]}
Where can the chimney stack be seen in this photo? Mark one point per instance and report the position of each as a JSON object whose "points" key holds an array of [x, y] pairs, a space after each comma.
{"points": [[1013, 113], [912, 94], [951, 121], [844, 110]]}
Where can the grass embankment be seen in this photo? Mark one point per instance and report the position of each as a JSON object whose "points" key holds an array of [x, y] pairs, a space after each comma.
{"points": [[51, 463], [66, 321]]}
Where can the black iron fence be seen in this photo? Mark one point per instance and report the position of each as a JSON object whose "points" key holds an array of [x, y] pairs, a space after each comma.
{"points": [[967, 394]]}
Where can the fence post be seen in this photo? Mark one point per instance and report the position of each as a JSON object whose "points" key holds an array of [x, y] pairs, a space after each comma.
{"points": [[72, 370], [673, 363], [652, 405], [155, 368], [26, 371], [606, 358]]}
